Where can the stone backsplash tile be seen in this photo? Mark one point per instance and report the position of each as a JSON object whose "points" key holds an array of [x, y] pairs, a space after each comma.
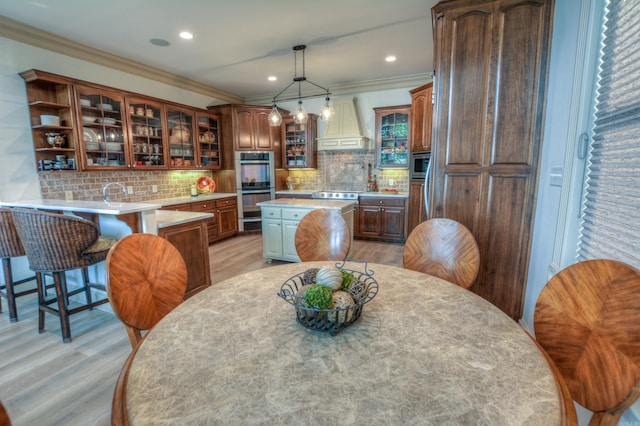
{"points": [[348, 170], [88, 185]]}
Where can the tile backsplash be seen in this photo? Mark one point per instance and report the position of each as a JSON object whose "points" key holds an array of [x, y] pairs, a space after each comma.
{"points": [[347, 170], [88, 185]]}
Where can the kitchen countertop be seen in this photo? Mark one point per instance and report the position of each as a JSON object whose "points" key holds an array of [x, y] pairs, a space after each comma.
{"points": [[384, 194], [301, 203], [166, 218], [401, 194], [98, 207], [188, 199]]}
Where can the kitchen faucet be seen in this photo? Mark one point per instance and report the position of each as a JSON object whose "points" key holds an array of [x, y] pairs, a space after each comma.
{"points": [[106, 195]]}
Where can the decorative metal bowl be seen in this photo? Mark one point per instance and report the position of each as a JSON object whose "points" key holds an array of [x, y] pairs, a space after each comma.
{"points": [[363, 289]]}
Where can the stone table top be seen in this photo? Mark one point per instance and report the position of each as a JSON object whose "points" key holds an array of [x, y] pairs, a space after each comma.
{"points": [[424, 351]]}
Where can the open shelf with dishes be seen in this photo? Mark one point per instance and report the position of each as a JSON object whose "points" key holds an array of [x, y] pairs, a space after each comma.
{"points": [[103, 128], [146, 132], [208, 141], [51, 114], [392, 136], [299, 150]]}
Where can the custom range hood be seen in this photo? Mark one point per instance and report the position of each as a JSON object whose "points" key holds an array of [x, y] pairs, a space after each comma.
{"points": [[344, 131]]}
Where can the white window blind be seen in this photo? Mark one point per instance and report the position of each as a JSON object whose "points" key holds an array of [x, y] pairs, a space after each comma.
{"points": [[610, 223]]}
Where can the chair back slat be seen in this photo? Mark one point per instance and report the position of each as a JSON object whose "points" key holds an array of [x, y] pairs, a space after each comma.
{"points": [[587, 318], [443, 248]]}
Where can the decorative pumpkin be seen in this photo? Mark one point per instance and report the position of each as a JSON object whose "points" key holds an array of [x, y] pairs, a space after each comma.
{"points": [[329, 277], [341, 299]]}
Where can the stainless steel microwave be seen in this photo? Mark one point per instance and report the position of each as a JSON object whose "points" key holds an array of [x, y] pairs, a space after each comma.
{"points": [[420, 164]]}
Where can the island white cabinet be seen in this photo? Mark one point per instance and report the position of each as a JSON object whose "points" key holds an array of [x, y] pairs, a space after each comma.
{"points": [[280, 220]]}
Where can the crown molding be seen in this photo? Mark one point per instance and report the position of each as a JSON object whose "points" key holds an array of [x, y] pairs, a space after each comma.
{"points": [[415, 80], [27, 34], [17, 31]]}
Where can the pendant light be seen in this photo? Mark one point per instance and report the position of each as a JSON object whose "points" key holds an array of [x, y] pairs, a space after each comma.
{"points": [[300, 115]]}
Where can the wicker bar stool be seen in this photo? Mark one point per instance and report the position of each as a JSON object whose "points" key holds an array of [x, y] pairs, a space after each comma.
{"points": [[56, 243], [11, 246]]}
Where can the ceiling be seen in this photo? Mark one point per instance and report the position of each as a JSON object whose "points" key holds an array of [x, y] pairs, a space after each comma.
{"points": [[239, 43]]}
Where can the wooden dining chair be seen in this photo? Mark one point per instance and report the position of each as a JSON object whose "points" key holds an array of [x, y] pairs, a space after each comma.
{"points": [[322, 234], [146, 278], [4, 416], [587, 318], [443, 248]]}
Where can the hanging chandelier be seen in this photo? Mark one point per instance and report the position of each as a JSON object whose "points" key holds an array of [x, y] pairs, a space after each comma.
{"points": [[300, 115]]}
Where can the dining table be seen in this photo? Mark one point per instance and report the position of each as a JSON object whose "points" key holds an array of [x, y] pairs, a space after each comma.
{"points": [[424, 351]]}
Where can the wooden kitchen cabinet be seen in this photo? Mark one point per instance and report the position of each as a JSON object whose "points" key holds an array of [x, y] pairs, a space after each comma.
{"points": [[491, 60], [421, 118], [227, 210], [382, 218], [224, 222], [48, 94], [417, 211], [190, 239], [392, 136], [208, 141], [105, 128], [244, 128], [104, 139], [146, 131], [299, 150], [208, 206], [181, 129]]}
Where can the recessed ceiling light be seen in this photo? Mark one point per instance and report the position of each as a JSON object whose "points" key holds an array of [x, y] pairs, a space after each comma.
{"points": [[272, 78], [390, 58], [186, 35], [159, 42]]}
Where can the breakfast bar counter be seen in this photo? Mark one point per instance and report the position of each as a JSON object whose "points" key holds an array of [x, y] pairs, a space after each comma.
{"points": [[139, 217], [424, 351]]}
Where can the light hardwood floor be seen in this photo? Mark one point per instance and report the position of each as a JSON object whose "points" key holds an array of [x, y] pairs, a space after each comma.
{"points": [[45, 382]]}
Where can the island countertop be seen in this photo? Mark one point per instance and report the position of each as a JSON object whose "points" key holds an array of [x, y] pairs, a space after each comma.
{"points": [[302, 203], [192, 199], [97, 207], [166, 218]]}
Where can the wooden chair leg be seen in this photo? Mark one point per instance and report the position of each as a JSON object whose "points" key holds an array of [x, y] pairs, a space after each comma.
{"points": [[134, 335], [60, 280], [9, 290], [42, 291], [87, 287]]}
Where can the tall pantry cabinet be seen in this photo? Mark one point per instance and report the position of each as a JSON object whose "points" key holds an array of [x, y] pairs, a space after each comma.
{"points": [[491, 60]]}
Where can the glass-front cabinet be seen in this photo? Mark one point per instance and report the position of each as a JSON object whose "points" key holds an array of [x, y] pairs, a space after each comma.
{"points": [[392, 136], [146, 133], [103, 129], [208, 141], [181, 135], [300, 143]]}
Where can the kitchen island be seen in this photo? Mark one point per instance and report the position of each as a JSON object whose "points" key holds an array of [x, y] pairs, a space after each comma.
{"points": [[280, 220], [109, 216], [184, 229]]}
